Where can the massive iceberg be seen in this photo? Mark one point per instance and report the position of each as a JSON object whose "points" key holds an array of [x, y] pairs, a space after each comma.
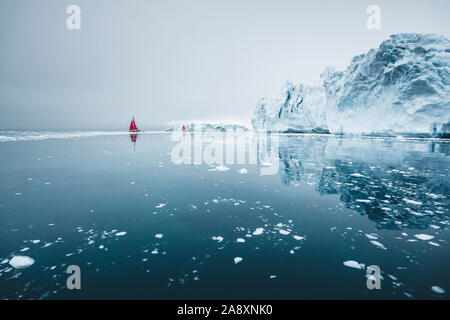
{"points": [[298, 108], [401, 88]]}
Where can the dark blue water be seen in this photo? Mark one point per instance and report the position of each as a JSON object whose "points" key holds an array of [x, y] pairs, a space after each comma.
{"points": [[374, 201]]}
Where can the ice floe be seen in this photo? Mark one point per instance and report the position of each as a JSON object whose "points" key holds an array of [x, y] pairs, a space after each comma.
{"points": [[416, 203], [437, 289], [423, 236], [121, 233], [218, 238], [237, 260], [258, 231], [159, 235], [243, 171], [353, 264], [222, 168], [378, 244], [19, 262]]}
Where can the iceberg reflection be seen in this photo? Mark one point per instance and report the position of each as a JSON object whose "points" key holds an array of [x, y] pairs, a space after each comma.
{"points": [[396, 183]]}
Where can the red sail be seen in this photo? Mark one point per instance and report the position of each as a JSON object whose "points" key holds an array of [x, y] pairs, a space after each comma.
{"points": [[133, 126]]}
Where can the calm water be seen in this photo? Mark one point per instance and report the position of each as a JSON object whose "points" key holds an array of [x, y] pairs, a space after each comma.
{"points": [[374, 201]]}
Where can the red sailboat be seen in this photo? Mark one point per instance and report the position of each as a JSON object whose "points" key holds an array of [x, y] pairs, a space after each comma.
{"points": [[133, 135], [133, 127]]}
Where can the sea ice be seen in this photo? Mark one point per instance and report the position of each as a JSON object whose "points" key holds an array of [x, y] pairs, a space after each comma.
{"points": [[424, 237], [358, 175], [243, 171], [379, 245], [284, 232], [353, 264], [19, 262], [240, 240], [237, 260], [258, 231], [222, 168], [121, 233], [159, 235], [298, 237], [416, 203], [218, 238], [437, 289]]}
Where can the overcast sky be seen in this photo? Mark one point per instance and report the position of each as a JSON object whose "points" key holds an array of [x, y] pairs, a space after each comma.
{"points": [[178, 60]]}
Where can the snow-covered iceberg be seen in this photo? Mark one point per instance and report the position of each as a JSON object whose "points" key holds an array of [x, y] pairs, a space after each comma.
{"points": [[401, 88], [298, 108]]}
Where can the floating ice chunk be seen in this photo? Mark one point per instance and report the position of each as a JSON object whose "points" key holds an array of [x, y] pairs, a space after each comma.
{"points": [[266, 164], [133, 182], [240, 240], [36, 241], [379, 245], [417, 203], [19, 262], [258, 231], [101, 246], [273, 276], [358, 175], [237, 260], [284, 232], [159, 235], [155, 251], [218, 238], [121, 233], [18, 193], [353, 264], [160, 205], [243, 171], [423, 236], [298, 237], [437, 289], [371, 237], [24, 249], [363, 200], [222, 168], [434, 244], [4, 261]]}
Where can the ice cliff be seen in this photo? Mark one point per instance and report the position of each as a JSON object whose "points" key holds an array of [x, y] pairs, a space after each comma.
{"points": [[401, 88], [298, 108]]}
